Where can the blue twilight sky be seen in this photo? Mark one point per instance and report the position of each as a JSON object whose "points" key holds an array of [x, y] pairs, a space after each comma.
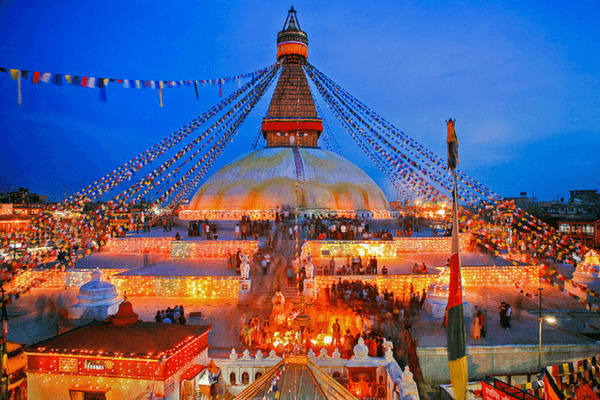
{"points": [[521, 78]]}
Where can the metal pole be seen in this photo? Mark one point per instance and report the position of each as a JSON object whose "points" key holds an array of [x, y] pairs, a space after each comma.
{"points": [[540, 333]]}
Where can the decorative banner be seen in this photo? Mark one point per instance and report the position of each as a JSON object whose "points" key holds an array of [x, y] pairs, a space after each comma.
{"points": [[93, 82]]}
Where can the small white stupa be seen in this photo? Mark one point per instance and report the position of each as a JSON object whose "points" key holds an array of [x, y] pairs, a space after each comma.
{"points": [[588, 271], [437, 297], [97, 299]]}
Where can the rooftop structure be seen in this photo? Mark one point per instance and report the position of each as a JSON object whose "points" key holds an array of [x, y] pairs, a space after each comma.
{"points": [[123, 356]]}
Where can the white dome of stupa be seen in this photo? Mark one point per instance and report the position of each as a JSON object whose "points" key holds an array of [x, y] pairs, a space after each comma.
{"points": [[98, 299]]}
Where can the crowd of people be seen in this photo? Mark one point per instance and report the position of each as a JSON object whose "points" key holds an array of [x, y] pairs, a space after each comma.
{"points": [[203, 228], [175, 315], [374, 324], [336, 227], [247, 227], [356, 267]]}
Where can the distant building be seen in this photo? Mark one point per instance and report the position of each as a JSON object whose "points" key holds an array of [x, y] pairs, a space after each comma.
{"points": [[18, 208], [22, 196], [584, 204], [13, 223], [584, 230], [586, 196]]}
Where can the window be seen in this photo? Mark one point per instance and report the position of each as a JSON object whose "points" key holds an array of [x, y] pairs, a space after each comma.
{"points": [[257, 375], [87, 394], [245, 378], [232, 378], [564, 228]]}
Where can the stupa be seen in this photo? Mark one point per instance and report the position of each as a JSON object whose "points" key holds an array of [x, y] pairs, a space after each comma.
{"points": [[437, 297], [97, 299], [588, 271], [291, 170]]}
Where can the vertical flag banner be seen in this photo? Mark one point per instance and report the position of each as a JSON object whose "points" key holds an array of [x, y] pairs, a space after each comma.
{"points": [[452, 145], [5, 376], [456, 342]]}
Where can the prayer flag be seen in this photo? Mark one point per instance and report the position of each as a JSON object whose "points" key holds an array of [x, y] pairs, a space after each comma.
{"points": [[91, 82], [102, 85], [36, 77], [5, 375], [452, 145], [15, 73], [456, 342], [58, 79], [4, 321], [46, 77]]}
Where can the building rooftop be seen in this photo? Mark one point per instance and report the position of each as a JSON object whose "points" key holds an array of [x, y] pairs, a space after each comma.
{"points": [[140, 340]]}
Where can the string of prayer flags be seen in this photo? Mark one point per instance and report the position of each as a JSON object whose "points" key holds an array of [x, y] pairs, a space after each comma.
{"points": [[101, 83]]}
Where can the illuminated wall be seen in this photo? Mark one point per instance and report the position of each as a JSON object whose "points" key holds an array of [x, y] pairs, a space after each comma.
{"points": [[430, 244], [351, 248], [385, 248], [473, 277], [61, 279], [212, 248], [476, 276], [160, 245], [202, 287], [56, 387], [181, 248]]}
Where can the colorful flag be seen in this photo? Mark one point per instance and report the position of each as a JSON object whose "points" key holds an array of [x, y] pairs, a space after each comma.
{"points": [[5, 376], [4, 321], [452, 145], [456, 342]]}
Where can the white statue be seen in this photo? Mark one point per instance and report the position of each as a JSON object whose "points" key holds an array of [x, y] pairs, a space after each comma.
{"points": [[310, 270], [304, 251], [387, 350], [245, 267], [278, 300], [387, 345]]}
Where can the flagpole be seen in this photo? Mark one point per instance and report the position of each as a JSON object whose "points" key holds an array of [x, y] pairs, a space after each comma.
{"points": [[4, 355], [456, 337]]}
